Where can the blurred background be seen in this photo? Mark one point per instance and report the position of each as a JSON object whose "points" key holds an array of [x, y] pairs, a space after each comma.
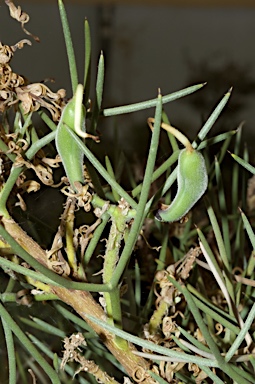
{"points": [[149, 45]]}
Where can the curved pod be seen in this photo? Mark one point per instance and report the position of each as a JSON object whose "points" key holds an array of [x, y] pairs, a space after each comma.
{"points": [[71, 155], [192, 183]]}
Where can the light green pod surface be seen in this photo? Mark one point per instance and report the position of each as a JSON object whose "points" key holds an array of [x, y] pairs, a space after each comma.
{"points": [[192, 181], [70, 153]]}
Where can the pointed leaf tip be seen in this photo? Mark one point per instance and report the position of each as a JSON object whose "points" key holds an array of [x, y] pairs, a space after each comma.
{"points": [[229, 91]]}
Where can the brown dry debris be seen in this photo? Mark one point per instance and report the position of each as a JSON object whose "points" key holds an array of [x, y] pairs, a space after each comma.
{"points": [[164, 323], [83, 197], [14, 88], [22, 17], [168, 369], [56, 260], [37, 95], [6, 51], [32, 96], [72, 352], [179, 271], [43, 172]]}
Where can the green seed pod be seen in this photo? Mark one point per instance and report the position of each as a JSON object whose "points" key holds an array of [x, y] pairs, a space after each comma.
{"points": [[73, 116], [192, 182]]}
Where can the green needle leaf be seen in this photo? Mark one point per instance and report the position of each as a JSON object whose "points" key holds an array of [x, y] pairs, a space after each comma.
{"points": [[69, 46], [151, 103]]}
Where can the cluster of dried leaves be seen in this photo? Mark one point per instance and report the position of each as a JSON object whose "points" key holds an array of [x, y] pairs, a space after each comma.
{"points": [[14, 88]]}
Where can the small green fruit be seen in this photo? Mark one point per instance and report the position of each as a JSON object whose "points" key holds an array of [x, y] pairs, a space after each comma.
{"points": [[192, 183]]}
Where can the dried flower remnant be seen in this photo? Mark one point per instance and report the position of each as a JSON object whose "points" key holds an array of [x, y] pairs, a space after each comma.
{"points": [[180, 271], [72, 352], [44, 173], [83, 196], [168, 369], [14, 147], [21, 203], [8, 79], [37, 95], [6, 51], [21, 16], [70, 344], [197, 372], [14, 88], [83, 235], [30, 186]]}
